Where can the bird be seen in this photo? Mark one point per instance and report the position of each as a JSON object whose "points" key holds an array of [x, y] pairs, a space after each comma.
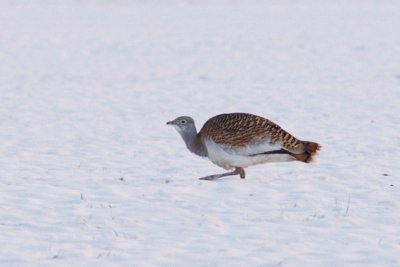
{"points": [[235, 141]]}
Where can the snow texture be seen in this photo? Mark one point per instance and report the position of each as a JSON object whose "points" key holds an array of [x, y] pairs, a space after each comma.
{"points": [[90, 175]]}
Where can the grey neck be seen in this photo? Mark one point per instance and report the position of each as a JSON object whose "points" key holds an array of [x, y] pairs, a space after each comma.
{"points": [[194, 143]]}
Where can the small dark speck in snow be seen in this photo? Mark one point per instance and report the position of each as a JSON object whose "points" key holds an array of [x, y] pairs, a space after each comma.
{"points": [[385, 174], [122, 179], [392, 185], [167, 181]]}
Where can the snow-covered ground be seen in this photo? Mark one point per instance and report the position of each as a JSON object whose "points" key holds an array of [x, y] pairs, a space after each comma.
{"points": [[90, 175]]}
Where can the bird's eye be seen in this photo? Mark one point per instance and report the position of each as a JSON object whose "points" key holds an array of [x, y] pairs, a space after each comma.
{"points": [[183, 121]]}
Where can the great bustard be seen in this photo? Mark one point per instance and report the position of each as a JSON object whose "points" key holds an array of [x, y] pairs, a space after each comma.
{"points": [[238, 140]]}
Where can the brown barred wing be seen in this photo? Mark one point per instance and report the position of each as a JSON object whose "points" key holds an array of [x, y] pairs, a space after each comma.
{"points": [[241, 129]]}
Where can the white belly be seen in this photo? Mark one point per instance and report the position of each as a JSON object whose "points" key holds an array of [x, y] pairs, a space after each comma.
{"points": [[231, 157]]}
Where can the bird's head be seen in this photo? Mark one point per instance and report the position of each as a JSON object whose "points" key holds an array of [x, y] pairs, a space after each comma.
{"points": [[183, 124]]}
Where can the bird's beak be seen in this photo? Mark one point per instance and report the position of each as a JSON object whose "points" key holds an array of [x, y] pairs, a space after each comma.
{"points": [[170, 123]]}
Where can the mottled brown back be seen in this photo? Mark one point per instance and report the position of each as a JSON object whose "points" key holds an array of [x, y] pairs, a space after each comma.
{"points": [[239, 129]]}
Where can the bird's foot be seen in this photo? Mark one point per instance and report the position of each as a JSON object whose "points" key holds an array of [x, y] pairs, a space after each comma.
{"points": [[211, 177], [237, 170], [208, 178]]}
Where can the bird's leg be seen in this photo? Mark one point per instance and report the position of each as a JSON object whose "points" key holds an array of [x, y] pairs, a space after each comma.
{"points": [[237, 170]]}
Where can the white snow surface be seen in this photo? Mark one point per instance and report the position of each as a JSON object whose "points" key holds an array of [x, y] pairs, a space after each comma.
{"points": [[90, 175]]}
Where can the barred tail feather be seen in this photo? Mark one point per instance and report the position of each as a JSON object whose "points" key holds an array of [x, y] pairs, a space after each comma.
{"points": [[311, 152]]}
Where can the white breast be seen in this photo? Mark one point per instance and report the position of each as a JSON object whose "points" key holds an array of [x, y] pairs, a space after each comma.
{"points": [[229, 157]]}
